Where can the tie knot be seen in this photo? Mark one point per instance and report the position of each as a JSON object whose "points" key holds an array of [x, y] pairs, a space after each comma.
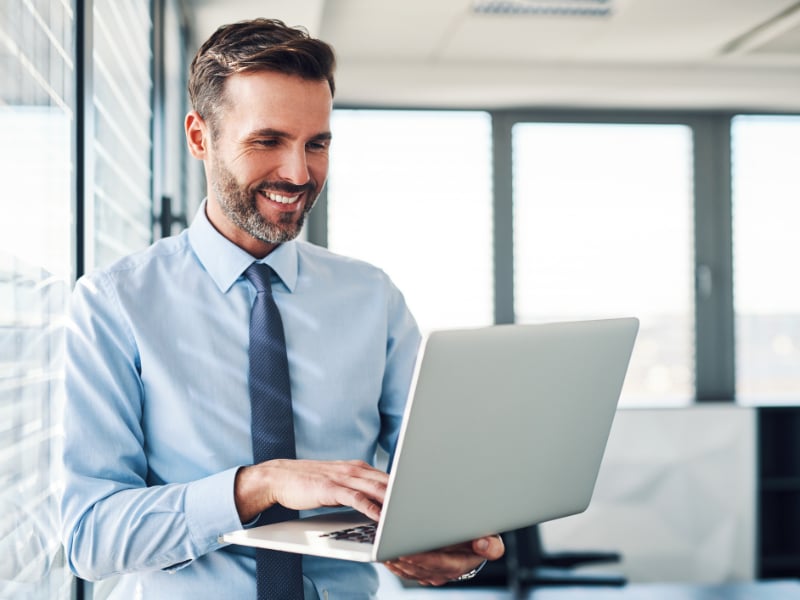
{"points": [[259, 275]]}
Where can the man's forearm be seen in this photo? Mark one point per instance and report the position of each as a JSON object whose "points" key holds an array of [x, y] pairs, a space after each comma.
{"points": [[159, 527]]}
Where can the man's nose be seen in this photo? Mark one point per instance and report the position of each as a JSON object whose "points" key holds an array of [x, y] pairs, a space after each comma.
{"points": [[294, 166]]}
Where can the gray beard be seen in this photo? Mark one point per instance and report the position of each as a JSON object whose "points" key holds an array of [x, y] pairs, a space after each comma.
{"points": [[241, 208]]}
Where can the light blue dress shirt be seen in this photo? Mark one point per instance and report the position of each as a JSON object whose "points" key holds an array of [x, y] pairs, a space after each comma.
{"points": [[157, 416]]}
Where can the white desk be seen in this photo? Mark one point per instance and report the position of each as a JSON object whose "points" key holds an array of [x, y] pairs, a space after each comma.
{"points": [[391, 589]]}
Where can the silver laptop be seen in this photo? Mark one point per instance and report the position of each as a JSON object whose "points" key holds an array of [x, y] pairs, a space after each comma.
{"points": [[505, 427]]}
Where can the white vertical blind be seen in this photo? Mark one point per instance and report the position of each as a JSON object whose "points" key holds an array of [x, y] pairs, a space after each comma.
{"points": [[122, 148], [36, 242]]}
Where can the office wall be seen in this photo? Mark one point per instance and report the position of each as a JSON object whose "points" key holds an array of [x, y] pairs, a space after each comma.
{"points": [[675, 495]]}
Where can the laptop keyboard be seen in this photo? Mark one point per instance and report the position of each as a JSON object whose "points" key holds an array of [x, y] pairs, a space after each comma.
{"points": [[363, 533]]}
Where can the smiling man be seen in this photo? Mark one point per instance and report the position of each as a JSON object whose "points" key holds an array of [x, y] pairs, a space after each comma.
{"points": [[173, 433]]}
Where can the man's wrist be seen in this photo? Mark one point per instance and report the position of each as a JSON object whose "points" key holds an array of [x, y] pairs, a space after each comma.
{"points": [[471, 574], [249, 492]]}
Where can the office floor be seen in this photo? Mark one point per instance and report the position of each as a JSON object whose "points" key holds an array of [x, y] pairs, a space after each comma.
{"points": [[392, 589]]}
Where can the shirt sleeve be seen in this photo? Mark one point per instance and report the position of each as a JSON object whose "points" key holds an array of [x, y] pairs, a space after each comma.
{"points": [[403, 343], [111, 521]]}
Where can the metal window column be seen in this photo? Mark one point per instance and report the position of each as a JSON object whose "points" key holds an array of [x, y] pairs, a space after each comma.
{"points": [[714, 316]]}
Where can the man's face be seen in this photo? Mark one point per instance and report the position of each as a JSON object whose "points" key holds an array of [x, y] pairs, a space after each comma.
{"points": [[269, 159]]}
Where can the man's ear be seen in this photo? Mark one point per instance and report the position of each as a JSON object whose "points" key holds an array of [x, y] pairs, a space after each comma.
{"points": [[198, 135]]}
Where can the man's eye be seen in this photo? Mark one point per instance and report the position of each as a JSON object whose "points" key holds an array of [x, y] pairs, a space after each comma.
{"points": [[317, 146], [267, 143]]}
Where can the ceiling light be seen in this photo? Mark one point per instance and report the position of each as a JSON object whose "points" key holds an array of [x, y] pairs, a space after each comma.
{"points": [[567, 8]]}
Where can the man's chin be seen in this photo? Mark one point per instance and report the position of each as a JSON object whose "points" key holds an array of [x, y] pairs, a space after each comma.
{"points": [[276, 229], [278, 235]]}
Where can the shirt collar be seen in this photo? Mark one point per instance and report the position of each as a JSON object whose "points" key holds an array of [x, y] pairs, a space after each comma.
{"points": [[225, 261]]}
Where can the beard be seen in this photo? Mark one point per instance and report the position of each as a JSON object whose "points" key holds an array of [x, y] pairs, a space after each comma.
{"points": [[240, 205]]}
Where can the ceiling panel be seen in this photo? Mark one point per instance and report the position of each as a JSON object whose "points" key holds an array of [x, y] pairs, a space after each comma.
{"points": [[523, 38], [785, 44], [661, 31], [210, 14], [393, 31], [706, 54]]}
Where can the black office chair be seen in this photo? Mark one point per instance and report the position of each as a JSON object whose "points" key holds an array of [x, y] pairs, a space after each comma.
{"points": [[526, 564]]}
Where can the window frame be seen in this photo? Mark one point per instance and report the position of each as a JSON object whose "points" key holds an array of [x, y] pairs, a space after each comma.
{"points": [[714, 350]]}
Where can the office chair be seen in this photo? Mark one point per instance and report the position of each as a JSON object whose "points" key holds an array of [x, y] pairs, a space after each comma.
{"points": [[526, 564]]}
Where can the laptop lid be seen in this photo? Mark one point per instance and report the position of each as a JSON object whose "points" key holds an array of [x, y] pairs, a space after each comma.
{"points": [[505, 427]]}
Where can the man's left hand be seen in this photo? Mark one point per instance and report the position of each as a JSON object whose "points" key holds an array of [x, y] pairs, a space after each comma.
{"points": [[447, 564]]}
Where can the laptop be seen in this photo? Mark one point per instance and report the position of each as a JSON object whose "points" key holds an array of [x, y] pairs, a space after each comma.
{"points": [[505, 427]]}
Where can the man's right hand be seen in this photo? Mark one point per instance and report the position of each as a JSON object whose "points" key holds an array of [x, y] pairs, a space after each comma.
{"points": [[308, 484]]}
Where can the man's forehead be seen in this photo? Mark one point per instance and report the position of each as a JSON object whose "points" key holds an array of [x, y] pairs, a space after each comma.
{"points": [[264, 100]]}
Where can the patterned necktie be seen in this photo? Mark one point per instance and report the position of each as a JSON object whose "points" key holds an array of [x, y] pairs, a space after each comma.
{"points": [[278, 574]]}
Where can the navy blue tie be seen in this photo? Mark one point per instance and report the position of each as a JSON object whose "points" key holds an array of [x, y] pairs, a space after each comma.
{"points": [[279, 575]]}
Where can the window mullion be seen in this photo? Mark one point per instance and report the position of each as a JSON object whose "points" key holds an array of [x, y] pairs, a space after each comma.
{"points": [[714, 318], [503, 214]]}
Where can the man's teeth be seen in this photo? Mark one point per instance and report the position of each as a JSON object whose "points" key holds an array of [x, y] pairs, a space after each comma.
{"points": [[279, 198]]}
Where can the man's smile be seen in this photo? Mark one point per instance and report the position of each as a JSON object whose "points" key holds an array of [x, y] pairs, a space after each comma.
{"points": [[279, 198]]}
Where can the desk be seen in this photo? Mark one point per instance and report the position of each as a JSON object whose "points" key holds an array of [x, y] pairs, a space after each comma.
{"points": [[762, 590]]}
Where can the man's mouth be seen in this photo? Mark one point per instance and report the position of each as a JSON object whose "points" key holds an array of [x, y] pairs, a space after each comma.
{"points": [[280, 198]]}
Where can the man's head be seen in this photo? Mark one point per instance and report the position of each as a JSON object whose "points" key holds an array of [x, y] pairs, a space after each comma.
{"points": [[262, 95], [249, 46]]}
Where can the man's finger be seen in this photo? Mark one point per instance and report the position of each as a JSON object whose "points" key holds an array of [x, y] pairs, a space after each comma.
{"points": [[359, 501], [490, 548]]}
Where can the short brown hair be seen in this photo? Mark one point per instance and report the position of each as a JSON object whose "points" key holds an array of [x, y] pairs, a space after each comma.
{"points": [[255, 45]]}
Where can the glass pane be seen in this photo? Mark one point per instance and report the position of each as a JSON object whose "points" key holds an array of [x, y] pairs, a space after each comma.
{"points": [[766, 219], [603, 228], [122, 117], [36, 241], [411, 192]]}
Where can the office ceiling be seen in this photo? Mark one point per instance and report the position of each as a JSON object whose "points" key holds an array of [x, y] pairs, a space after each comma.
{"points": [[649, 54]]}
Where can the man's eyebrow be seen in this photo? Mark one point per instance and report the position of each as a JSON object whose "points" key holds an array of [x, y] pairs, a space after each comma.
{"points": [[277, 133]]}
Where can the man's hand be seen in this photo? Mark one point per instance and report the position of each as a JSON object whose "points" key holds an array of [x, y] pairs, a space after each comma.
{"points": [[446, 564], [307, 484]]}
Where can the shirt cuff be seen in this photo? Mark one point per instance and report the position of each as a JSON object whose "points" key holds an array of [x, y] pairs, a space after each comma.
{"points": [[211, 509]]}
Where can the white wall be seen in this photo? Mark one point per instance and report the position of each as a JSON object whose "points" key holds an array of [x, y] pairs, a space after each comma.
{"points": [[675, 495]]}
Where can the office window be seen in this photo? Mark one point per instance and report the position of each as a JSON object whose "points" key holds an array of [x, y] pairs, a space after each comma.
{"points": [[411, 192], [766, 219], [36, 241], [122, 117], [171, 170], [603, 228]]}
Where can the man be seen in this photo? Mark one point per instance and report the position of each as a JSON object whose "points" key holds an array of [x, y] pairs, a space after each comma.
{"points": [[158, 450]]}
